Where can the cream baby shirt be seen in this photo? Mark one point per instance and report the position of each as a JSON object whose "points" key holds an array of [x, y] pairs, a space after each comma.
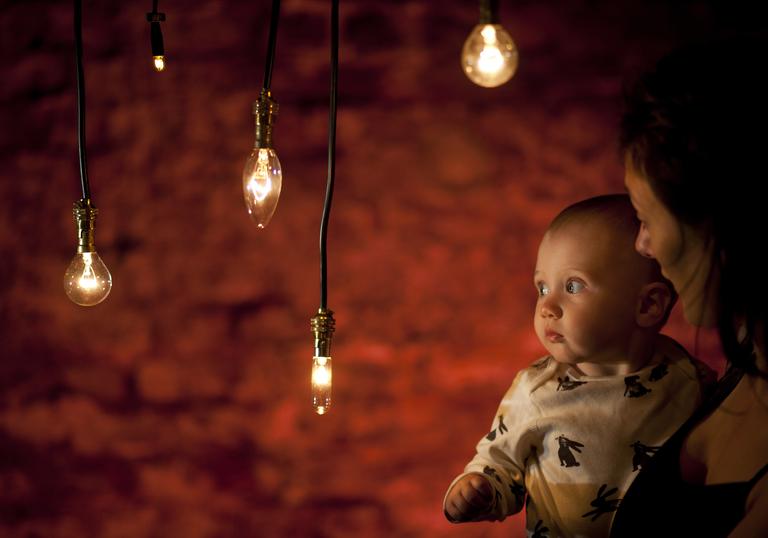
{"points": [[572, 444]]}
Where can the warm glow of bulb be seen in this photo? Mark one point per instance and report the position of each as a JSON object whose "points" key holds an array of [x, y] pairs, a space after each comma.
{"points": [[490, 60], [87, 281], [489, 34], [321, 374], [262, 181], [489, 57], [159, 63], [322, 378]]}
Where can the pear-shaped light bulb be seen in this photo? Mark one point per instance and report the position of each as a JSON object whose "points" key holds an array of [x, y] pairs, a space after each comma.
{"points": [[489, 57], [262, 181], [322, 377], [87, 281], [159, 62]]}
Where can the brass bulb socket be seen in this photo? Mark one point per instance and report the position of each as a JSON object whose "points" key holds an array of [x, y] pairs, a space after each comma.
{"points": [[85, 219], [323, 326], [264, 112]]}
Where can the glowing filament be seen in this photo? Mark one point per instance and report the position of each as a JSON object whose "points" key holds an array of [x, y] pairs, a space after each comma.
{"points": [[159, 63], [262, 179], [88, 280], [490, 60], [489, 57], [322, 378], [260, 183]]}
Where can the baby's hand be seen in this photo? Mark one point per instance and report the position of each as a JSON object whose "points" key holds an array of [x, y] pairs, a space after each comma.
{"points": [[470, 498]]}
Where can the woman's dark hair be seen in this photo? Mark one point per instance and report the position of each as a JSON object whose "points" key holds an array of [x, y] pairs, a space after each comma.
{"points": [[697, 128]]}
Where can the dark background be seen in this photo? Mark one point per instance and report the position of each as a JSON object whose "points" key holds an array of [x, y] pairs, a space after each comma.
{"points": [[179, 407]]}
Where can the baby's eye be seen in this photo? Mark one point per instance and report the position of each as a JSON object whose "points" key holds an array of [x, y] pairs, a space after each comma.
{"points": [[542, 289], [574, 286]]}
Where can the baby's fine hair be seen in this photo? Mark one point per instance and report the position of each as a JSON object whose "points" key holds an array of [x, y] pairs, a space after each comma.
{"points": [[615, 210]]}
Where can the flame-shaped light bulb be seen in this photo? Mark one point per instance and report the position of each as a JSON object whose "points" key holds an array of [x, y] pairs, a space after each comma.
{"points": [[323, 326], [489, 57], [87, 280], [322, 378], [159, 62], [262, 174], [262, 181]]}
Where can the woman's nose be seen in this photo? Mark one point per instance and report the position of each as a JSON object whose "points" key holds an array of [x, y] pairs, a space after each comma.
{"points": [[643, 242]]}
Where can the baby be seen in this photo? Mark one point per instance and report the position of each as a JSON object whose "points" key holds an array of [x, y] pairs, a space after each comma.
{"points": [[575, 426]]}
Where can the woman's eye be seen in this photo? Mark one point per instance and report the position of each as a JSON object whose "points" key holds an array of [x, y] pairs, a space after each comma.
{"points": [[542, 289], [574, 286]]}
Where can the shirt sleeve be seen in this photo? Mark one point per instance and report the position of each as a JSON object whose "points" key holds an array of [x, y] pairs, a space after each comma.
{"points": [[501, 454]]}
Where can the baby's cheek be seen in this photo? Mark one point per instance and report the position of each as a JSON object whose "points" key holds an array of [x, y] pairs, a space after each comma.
{"points": [[586, 333], [537, 324]]}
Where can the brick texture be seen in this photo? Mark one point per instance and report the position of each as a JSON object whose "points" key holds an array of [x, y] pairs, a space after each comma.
{"points": [[180, 406]]}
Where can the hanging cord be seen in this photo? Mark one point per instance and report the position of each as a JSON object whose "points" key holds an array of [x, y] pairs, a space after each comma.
{"points": [[81, 99], [489, 11], [331, 154], [271, 44], [154, 18]]}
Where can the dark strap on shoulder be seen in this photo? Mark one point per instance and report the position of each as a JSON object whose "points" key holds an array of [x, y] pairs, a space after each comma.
{"points": [[755, 479], [720, 392]]}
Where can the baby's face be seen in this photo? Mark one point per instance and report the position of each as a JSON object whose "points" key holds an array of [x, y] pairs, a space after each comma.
{"points": [[588, 293]]}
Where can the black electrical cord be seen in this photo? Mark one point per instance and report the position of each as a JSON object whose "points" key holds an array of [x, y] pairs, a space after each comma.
{"points": [[156, 33], [81, 99], [331, 153], [489, 11], [271, 44]]}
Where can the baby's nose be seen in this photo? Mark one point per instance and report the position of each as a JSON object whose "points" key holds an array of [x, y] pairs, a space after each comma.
{"points": [[549, 309]]}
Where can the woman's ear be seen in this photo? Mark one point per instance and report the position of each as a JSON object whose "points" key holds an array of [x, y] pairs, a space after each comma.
{"points": [[653, 305]]}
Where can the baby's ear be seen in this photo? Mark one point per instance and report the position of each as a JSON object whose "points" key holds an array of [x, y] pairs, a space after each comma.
{"points": [[653, 305]]}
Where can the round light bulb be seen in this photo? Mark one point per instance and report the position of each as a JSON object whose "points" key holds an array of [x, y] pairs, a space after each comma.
{"points": [[262, 180], [87, 281], [322, 377], [159, 63], [489, 57]]}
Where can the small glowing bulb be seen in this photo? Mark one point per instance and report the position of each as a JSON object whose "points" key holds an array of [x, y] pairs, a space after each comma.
{"points": [[262, 180], [489, 57], [321, 384], [159, 63], [87, 281]]}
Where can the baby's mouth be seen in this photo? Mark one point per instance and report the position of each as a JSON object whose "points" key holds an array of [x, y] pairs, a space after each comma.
{"points": [[553, 336]]}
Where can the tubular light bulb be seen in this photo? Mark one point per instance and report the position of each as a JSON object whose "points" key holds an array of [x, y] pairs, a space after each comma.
{"points": [[322, 377], [87, 281], [489, 57], [262, 181], [156, 39]]}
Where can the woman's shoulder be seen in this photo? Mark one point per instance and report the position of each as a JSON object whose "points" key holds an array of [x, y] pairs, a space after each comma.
{"points": [[755, 521], [733, 439]]}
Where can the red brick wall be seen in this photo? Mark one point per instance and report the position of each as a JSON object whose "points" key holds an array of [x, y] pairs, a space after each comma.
{"points": [[180, 406]]}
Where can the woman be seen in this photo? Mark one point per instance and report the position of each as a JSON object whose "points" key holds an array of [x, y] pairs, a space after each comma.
{"points": [[694, 137]]}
